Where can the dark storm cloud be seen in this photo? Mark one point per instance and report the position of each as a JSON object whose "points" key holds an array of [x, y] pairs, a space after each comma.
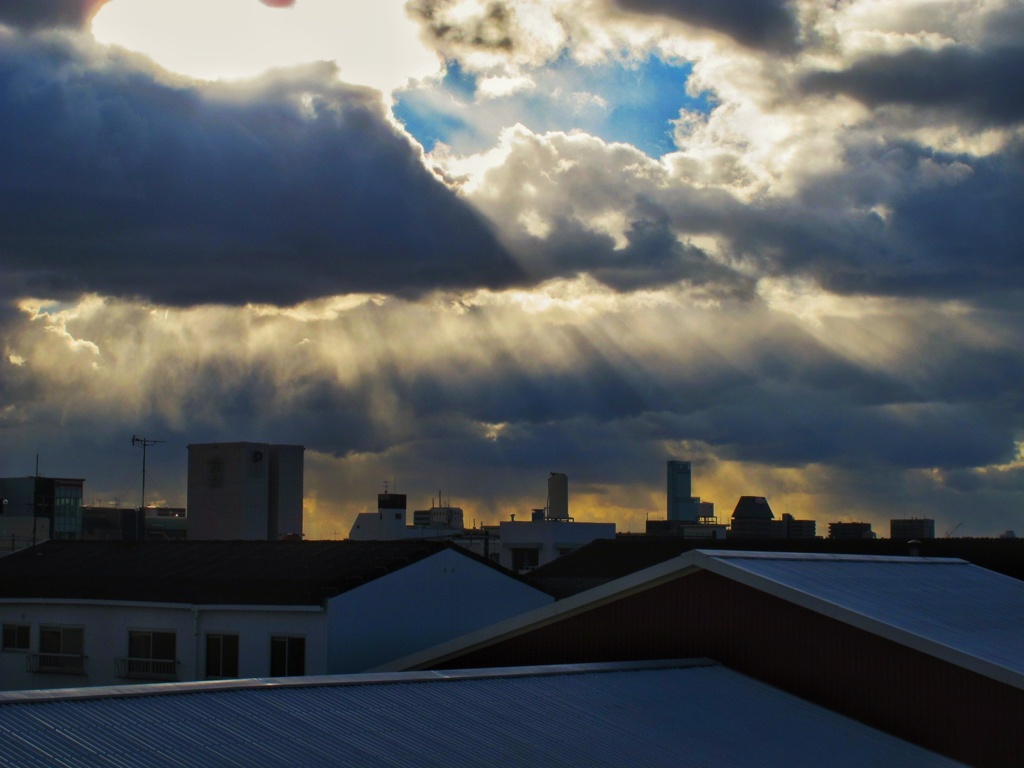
{"points": [[896, 220], [36, 14], [283, 190], [784, 400], [652, 257], [762, 24], [489, 30], [982, 86]]}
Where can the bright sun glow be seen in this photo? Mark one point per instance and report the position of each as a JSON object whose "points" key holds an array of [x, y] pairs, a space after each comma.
{"points": [[374, 43]]}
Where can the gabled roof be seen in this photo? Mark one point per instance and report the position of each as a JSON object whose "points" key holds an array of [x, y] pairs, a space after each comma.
{"points": [[669, 713], [947, 608], [208, 572], [605, 560]]}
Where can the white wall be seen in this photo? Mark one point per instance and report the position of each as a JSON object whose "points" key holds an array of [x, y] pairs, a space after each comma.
{"points": [[106, 626], [431, 601], [237, 509], [549, 537]]}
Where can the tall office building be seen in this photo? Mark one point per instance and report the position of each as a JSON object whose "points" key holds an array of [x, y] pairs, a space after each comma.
{"points": [[682, 505], [244, 491]]}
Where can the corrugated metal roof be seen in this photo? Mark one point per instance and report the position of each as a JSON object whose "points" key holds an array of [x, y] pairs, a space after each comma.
{"points": [[667, 714], [948, 608], [945, 607], [604, 560]]}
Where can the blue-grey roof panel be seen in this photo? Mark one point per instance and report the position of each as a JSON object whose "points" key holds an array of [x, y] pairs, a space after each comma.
{"points": [[947, 602], [593, 716]]}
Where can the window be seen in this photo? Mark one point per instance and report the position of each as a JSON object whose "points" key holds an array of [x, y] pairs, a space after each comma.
{"points": [[222, 655], [215, 473], [60, 650], [16, 637], [287, 656], [524, 557], [151, 656]]}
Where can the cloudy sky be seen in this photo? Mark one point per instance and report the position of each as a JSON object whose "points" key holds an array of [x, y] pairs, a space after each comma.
{"points": [[460, 244]]}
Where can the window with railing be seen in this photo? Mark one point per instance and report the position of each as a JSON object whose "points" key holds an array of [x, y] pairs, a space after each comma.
{"points": [[151, 656], [61, 650]]}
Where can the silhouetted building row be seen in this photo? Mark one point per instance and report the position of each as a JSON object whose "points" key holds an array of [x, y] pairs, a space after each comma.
{"points": [[844, 530], [913, 528], [753, 519]]}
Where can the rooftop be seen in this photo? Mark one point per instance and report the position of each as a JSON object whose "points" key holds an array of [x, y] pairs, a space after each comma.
{"points": [[752, 508], [569, 715], [605, 560], [207, 572], [944, 607]]}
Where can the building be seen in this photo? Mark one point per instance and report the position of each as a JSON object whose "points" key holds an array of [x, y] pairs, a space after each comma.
{"points": [[791, 528], [527, 544], [244, 491], [78, 614], [119, 524], [605, 560], [850, 531], [558, 497], [661, 715], [928, 650], [518, 545], [681, 504], [752, 518], [389, 522], [549, 533], [683, 528], [38, 508], [913, 528]]}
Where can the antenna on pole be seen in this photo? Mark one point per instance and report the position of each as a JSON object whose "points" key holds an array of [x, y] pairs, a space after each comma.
{"points": [[145, 444]]}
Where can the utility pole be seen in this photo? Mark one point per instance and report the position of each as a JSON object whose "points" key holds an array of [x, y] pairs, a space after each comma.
{"points": [[145, 444]]}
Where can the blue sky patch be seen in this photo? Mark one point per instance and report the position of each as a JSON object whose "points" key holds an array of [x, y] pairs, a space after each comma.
{"points": [[616, 101]]}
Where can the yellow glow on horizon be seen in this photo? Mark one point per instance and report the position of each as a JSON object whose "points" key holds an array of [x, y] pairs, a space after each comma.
{"points": [[374, 44]]}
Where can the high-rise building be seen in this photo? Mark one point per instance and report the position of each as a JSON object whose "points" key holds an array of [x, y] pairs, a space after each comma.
{"points": [[244, 491], [558, 496], [679, 493]]}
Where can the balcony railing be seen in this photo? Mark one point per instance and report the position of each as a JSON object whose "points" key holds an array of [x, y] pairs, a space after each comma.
{"points": [[60, 663], [146, 669]]}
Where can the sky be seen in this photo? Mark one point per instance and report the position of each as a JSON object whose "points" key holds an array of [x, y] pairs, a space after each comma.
{"points": [[456, 245]]}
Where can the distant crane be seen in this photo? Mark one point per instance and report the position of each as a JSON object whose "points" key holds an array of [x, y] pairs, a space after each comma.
{"points": [[952, 530]]}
